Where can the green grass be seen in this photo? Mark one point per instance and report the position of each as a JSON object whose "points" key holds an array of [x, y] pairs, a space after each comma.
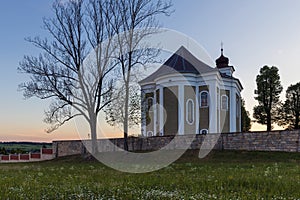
{"points": [[221, 175]]}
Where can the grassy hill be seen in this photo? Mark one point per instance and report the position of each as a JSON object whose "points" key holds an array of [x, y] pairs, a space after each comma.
{"points": [[221, 175]]}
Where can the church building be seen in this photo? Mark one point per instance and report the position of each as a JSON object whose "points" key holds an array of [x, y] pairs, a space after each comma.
{"points": [[187, 96]]}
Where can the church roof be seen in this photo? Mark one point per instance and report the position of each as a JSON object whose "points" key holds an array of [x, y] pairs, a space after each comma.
{"points": [[232, 78], [182, 61]]}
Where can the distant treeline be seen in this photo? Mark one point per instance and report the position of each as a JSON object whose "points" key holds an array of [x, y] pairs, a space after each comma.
{"points": [[22, 147], [30, 143]]}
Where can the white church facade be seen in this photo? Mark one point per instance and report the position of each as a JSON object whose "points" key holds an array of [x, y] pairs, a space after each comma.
{"points": [[187, 96]]}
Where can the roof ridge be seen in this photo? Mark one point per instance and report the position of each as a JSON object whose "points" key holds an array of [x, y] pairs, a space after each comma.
{"points": [[182, 61]]}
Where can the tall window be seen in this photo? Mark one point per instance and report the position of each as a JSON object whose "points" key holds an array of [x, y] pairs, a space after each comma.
{"points": [[190, 111], [224, 103], [204, 99], [149, 111], [149, 103]]}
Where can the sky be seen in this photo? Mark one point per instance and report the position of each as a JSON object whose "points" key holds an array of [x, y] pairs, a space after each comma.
{"points": [[255, 33]]}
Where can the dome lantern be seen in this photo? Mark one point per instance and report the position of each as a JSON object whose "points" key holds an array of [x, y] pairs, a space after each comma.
{"points": [[222, 61]]}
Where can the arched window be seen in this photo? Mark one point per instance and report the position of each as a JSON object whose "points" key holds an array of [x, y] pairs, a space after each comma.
{"points": [[203, 131], [190, 111], [149, 103], [150, 134], [204, 99], [224, 102]]}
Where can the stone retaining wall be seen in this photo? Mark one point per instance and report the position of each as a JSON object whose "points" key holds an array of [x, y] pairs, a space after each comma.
{"points": [[287, 141]]}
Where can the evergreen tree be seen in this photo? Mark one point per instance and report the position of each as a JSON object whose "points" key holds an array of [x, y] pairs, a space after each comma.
{"points": [[291, 108], [268, 91], [246, 121], [3, 151]]}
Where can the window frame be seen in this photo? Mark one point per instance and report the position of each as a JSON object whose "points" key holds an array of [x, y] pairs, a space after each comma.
{"points": [[200, 103], [200, 132], [222, 105], [187, 111], [147, 104], [150, 134]]}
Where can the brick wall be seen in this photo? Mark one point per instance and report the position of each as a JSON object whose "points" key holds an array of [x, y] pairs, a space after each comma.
{"points": [[44, 154], [287, 141]]}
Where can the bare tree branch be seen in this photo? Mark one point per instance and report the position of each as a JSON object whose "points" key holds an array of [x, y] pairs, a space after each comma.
{"points": [[79, 83]]}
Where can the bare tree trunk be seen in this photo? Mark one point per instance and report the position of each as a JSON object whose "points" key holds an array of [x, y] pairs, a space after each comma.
{"points": [[269, 122], [93, 129], [126, 115], [126, 106]]}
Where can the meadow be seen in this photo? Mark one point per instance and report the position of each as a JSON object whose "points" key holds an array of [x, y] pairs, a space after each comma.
{"points": [[221, 175]]}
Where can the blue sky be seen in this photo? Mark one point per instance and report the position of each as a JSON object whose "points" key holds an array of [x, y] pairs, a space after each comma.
{"points": [[255, 33]]}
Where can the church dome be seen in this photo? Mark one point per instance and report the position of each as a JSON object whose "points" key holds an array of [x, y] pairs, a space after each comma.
{"points": [[222, 61]]}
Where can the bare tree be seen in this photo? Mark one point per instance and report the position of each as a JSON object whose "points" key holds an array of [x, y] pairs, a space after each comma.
{"points": [[115, 115], [133, 21], [77, 83]]}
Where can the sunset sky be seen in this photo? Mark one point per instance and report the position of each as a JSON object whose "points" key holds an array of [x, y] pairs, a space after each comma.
{"points": [[255, 33]]}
